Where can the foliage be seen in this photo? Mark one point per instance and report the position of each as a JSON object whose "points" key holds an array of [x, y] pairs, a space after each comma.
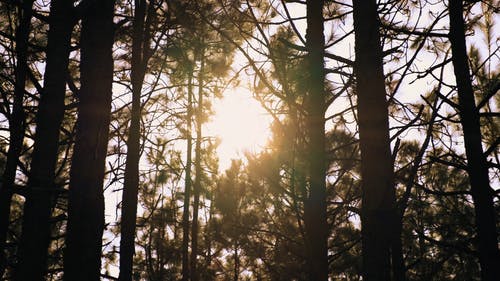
{"points": [[251, 223]]}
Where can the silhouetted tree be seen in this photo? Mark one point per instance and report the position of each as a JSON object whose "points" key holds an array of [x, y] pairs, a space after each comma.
{"points": [[315, 204], [378, 211], [477, 165], [144, 15], [35, 239], [82, 260], [16, 122]]}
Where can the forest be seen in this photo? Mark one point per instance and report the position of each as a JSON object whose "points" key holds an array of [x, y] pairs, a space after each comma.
{"points": [[378, 157]]}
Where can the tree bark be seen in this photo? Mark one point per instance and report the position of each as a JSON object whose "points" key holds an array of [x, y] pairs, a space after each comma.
{"points": [[477, 165], [315, 205], [198, 173], [16, 125], [187, 183], [35, 238], [131, 183], [379, 212], [82, 260]]}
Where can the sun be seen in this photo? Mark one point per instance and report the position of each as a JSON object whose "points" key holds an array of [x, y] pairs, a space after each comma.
{"points": [[240, 123]]}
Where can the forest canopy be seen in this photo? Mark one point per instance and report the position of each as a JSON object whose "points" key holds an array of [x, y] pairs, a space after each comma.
{"points": [[249, 140]]}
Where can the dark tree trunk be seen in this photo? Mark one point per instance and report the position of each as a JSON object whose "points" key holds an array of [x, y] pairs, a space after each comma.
{"points": [[379, 213], [187, 183], [131, 183], [477, 165], [82, 260], [16, 125], [236, 269], [397, 260], [198, 172], [208, 234], [315, 205], [35, 239]]}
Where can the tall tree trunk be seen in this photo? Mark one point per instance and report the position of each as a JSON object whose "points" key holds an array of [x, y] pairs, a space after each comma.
{"points": [[187, 182], [198, 173], [82, 260], [315, 205], [131, 183], [477, 165], [16, 125], [378, 213], [35, 238]]}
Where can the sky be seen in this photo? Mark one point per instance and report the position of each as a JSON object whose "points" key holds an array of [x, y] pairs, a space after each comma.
{"points": [[240, 123]]}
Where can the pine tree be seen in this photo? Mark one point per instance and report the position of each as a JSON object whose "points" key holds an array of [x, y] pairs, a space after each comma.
{"points": [[144, 14], [477, 165], [315, 204], [43, 192], [378, 212], [82, 260], [16, 123]]}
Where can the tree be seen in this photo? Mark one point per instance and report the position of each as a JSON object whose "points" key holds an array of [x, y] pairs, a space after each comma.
{"points": [[141, 53], [198, 168], [16, 123], [378, 211], [35, 237], [187, 179], [477, 165], [82, 258], [315, 107]]}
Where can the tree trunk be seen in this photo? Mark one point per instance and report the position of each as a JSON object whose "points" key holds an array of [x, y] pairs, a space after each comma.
{"points": [[379, 213], [198, 172], [315, 205], [16, 125], [187, 183], [236, 269], [131, 183], [397, 259], [82, 260], [35, 238], [477, 165], [208, 232]]}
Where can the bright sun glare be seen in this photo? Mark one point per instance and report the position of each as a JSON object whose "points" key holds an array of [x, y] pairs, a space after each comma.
{"points": [[241, 124]]}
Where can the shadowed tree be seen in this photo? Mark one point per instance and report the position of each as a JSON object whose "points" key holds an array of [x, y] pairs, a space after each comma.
{"points": [[35, 239], [141, 52], [477, 165], [82, 260], [187, 181], [16, 123], [198, 171], [315, 204], [378, 211]]}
